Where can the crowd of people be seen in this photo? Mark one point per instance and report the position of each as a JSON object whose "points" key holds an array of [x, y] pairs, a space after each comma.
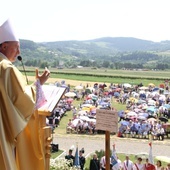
{"points": [[127, 164], [147, 109]]}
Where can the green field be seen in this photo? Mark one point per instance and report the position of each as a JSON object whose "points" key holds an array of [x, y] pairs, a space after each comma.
{"points": [[108, 76]]}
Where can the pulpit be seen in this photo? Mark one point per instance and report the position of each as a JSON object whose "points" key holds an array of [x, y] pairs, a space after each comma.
{"points": [[53, 95]]}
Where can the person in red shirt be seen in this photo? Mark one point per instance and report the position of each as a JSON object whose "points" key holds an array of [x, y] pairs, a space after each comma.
{"points": [[149, 166]]}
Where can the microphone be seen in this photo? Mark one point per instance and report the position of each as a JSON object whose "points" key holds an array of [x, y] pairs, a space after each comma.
{"points": [[20, 59]]}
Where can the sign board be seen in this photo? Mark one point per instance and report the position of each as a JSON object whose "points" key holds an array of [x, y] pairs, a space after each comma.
{"points": [[107, 120]]}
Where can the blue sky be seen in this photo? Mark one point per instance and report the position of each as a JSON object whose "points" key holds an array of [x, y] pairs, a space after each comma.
{"points": [[57, 20]]}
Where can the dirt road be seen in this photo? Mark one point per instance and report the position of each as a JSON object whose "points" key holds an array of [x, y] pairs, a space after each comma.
{"points": [[123, 145]]}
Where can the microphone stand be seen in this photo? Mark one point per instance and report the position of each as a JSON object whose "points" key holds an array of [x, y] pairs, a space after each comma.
{"points": [[20, 59]]}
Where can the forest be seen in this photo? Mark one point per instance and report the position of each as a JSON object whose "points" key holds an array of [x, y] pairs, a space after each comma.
{"points": [[108, 52]]}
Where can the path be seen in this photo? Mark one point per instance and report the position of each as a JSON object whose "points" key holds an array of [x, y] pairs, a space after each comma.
{"points": [[123, 145]]}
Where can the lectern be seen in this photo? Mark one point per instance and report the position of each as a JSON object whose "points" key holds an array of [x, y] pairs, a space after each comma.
{"points": [[53, 95]]}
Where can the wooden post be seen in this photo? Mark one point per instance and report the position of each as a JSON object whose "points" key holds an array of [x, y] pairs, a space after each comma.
{"points": [[107, 149]]}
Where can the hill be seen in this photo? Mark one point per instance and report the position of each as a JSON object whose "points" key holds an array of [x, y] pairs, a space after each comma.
{"points": [[103, 52]]}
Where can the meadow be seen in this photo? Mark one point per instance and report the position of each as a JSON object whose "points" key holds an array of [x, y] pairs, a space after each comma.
{"points": [[107, 75]]}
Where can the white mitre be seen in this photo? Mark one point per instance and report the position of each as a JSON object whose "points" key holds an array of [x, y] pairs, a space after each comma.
{"points": [[7, 32]]}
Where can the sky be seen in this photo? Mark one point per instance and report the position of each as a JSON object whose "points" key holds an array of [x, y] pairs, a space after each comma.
{"points": [[60, 20]]}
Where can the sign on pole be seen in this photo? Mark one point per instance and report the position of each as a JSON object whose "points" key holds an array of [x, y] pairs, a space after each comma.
{"points": [[107, 120]]}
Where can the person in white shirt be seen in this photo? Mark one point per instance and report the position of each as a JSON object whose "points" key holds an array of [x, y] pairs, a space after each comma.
{"points": [[127, 164], [138, 165], [103, 162], [118, 165], [160, 133]]}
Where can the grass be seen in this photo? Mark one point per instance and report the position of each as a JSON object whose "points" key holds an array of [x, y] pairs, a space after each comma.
{"points": [[108, 75], [121, 156], [56, 154]]}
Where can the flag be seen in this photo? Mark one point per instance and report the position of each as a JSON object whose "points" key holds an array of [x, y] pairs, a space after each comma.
{"points": [[150, 154], [114, 161], [76, 158]]}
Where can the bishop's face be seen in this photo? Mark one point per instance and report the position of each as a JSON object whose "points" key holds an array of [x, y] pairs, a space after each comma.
{"points": [[11, 50]]}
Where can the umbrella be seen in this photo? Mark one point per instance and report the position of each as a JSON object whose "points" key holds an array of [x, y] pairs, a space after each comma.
{"points": [[131, 114], [116, 94], [137, 110], [94, 97], [103, 103], [85, 118], [142, 92], [155, 93], [151, 102], [162, 97], [166, 106], [132, 99], [143, 88], [141, 118], [82, 112], [93, 111], [155, 89], [166, 92], [70, 94], [89, 101], [127, 85], [144, 107], [125, 123], [140, 101], [151, 119], [69, 100], [86, 108], [163, 119], [79, 87], [151, 84], [75, 121], [143, 114], [92, 120], [151, 109], [91, 89], [163, 158], [117, 89], [86, 105]]}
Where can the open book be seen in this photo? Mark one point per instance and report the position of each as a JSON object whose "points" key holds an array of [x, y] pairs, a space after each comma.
{"points": [[53, 95]]}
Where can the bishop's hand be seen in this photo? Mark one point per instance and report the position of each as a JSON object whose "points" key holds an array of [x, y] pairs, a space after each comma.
{"points": [[42, 77]]}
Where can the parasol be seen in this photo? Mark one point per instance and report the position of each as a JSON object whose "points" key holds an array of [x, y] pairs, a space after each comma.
{"points": [[79, 87], [163, 119], [70, 94]]}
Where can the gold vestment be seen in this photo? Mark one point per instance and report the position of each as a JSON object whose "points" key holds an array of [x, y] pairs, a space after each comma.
{"points": [[20, 144]]}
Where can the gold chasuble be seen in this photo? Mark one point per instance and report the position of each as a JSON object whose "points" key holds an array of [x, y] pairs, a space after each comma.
{"points": [[20, 144]]}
